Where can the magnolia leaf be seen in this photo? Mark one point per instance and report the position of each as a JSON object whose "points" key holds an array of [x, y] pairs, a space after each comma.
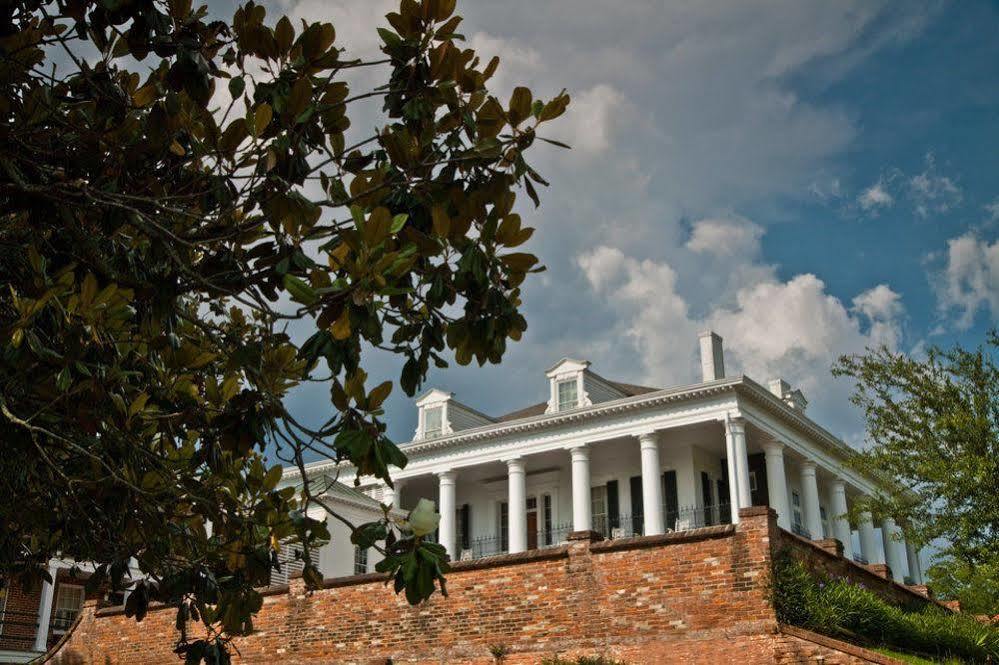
{"points": [[299, 290]]}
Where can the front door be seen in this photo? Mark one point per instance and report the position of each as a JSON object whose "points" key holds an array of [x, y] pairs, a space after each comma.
{"points": [[532, 530]]}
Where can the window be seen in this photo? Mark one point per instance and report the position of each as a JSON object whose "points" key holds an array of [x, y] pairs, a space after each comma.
{"points": [[568, 396], [752, 481], [825, 522], [796, 525], [504, 517], [433, 422], [598, 508], [548, 519], [68, 603], [360, 560]]}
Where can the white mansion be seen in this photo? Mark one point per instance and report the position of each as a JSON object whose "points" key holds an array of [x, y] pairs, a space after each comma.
{"points": [[624, 460]]}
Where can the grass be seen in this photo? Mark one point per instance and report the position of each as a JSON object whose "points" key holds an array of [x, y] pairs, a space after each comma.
{"points": [[913, 659]]}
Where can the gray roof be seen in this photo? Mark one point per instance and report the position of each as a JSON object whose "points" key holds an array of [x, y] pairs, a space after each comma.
{"points": [[629, 390]]}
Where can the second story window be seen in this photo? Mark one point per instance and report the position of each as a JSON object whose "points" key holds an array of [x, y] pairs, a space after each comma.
{"points": [[433, 425], [568, 396]]}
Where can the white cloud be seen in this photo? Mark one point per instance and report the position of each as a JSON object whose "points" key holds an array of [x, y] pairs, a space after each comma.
{"points": [[725, 237], [793, 329], [969, 281], [992, 209], [933, 193], [883, 308], [592, 118], [874, 197]]}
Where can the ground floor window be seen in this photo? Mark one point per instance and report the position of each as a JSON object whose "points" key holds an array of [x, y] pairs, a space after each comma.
{"points": [[598, 508], [68, 603], [360, 560], [796, 525]]}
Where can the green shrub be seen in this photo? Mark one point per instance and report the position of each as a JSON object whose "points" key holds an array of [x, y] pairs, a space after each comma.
{"points": [[838, 607]]}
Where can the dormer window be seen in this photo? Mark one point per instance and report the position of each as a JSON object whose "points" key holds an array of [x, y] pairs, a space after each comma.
{"points": [[568, 394], [434, 423]]}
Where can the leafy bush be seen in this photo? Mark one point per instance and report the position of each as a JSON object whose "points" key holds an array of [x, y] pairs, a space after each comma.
{"points": [[836, 606]]}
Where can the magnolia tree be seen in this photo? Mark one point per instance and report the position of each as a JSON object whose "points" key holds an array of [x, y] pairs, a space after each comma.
{"points": [[175, 191]]}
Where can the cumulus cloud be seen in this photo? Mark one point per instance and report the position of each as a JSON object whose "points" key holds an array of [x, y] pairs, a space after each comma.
{"points": [[792, 329], [725, 237], [969, 281]]}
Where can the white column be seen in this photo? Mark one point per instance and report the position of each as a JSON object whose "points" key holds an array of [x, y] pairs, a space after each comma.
{"points": [[773, 452], [810, 499], [388, 497], [868, 540], [840, 520], [733, 475], [448, 527], [45, 611], [517, 504], [737, 429], [891, 546], [581, 509], [652, 486], [915, 569]]}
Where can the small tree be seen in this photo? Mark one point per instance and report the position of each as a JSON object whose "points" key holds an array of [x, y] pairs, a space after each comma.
{"points": [[162, 223], [933, 428]]}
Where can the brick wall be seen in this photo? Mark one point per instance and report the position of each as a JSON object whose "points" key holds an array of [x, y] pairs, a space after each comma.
{"points": [[20, 617], [695, 597], [818, 556]]}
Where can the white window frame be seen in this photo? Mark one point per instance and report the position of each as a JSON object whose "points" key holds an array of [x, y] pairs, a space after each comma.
{"points": [[598, 499], [796, 515], [432, 432], [61, 588], [360, 560], [4, 596], [824, 517], [752, 481], [565, 405]]}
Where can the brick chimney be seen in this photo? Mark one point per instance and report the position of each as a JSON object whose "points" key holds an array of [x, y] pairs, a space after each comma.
{"points": [[712, 356]]}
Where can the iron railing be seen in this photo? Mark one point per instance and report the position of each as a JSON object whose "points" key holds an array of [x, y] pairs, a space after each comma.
{"points": [[800, 530], [610, 527]]}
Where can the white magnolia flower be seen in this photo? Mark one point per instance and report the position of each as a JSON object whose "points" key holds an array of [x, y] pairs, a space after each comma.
{"points": [[424, 518]]}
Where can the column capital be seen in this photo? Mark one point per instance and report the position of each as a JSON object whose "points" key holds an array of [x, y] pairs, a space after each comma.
{"points": [[447, 477], [735, 424], [580, 452], [838, 484], [773, 447], [515, 464], [808, 466], [648, 438]]}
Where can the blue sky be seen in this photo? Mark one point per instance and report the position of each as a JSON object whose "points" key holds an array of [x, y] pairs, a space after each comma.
{"points": [[807, 178]]}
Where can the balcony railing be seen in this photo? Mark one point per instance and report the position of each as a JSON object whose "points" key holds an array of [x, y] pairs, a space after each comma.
{"points": [[800, 530], [621, 526]]}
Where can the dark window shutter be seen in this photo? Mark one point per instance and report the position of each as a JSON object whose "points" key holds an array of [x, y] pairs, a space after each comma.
{"points": [[706, 497], [613, 506], [724, 507], [636, 504], [670, 499], [466, 518]]}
